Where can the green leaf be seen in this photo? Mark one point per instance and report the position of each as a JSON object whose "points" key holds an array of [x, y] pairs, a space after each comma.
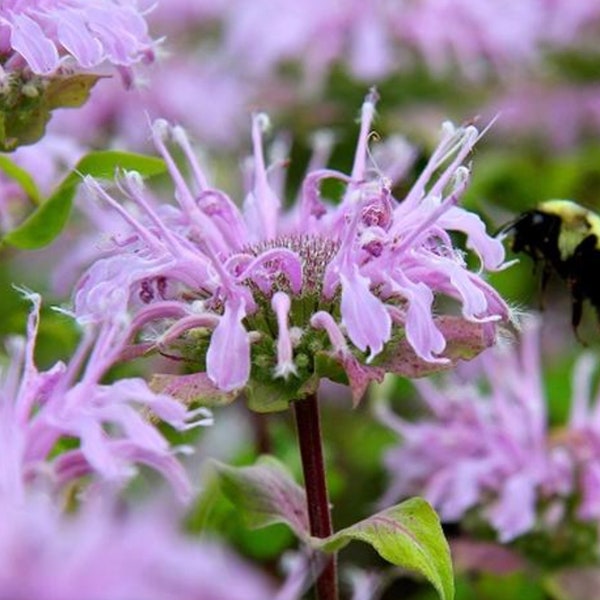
{"points": [[70, 92], [408, 535], [22, 177], [265, 493], [213, 514], [276, 395], [26, 107], [43, 225]]}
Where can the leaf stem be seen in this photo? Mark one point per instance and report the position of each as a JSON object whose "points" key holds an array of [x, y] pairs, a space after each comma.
{"points": [[308, 426]]}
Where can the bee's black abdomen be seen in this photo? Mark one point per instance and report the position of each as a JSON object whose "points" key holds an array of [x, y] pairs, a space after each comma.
{"points": [[536, 233], [584, 270]]}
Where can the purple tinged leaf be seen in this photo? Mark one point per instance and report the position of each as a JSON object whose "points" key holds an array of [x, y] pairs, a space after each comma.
{"points": [[465, 340], [407, 535], [485, 557], [265, 493], [193, 388], [575, 583]]}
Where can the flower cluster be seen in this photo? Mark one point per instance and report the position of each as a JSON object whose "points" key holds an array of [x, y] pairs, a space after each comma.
{"points": [[371, 41], [104, 551], [243, 61], [52, 53], [488, 455], [562, 115], [260, 296], [63, 423], [41, 35]]}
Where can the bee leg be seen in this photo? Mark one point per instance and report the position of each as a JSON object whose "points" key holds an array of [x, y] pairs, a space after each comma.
{"points": [[576, 313], [546, 273]]}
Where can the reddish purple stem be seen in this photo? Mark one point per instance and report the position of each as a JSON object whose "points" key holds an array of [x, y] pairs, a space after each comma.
{"points": [[308, 427]]}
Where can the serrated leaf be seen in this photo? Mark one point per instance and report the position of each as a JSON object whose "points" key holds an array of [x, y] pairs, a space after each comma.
{"points": [[265, 494], [22, 177], [43, 225], [408, 535]]}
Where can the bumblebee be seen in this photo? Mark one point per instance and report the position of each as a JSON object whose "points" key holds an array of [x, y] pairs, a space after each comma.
{"points": [[565, 238]]}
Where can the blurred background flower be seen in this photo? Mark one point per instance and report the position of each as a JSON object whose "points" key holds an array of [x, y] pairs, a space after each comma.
{"points": [[488, 458]]}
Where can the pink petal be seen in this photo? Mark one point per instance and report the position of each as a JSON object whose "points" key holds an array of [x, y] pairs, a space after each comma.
{"points": [[77, 39], [365, 317], [29, 40], [228, 356]]}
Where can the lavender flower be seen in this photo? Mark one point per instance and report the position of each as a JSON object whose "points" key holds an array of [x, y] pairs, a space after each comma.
{"points": [[51, 55], [117, 116], [237, 52], [373, 41], [488, 456], [562, 115], [102, 552], [39, 411], [41, 35], [254, 297]]}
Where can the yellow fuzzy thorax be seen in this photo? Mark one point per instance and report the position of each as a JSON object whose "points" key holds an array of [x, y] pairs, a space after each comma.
{"points": [[577, 223]]}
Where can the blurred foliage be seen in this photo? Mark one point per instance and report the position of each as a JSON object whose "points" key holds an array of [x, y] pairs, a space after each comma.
{"points": [[49, 218]]}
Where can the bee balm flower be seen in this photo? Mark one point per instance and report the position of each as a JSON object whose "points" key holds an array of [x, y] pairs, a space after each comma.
{"points": [[41, 35], [104, 552], [110, 435], [487, 457], [271, 301], [51, 52]]}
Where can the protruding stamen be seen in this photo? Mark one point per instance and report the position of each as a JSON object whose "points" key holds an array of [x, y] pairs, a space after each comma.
{"points": [[262, 205], [367, 113], [180, 136]]}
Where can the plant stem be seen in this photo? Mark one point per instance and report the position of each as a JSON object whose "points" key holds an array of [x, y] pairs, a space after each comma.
{"points": [[308, 426], [260, 426]]}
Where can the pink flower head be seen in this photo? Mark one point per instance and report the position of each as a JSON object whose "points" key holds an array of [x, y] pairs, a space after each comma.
{"points": [[489, 452], [41, 410], [243, 292], [374, 40], [106, 552], [41, 34]]}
